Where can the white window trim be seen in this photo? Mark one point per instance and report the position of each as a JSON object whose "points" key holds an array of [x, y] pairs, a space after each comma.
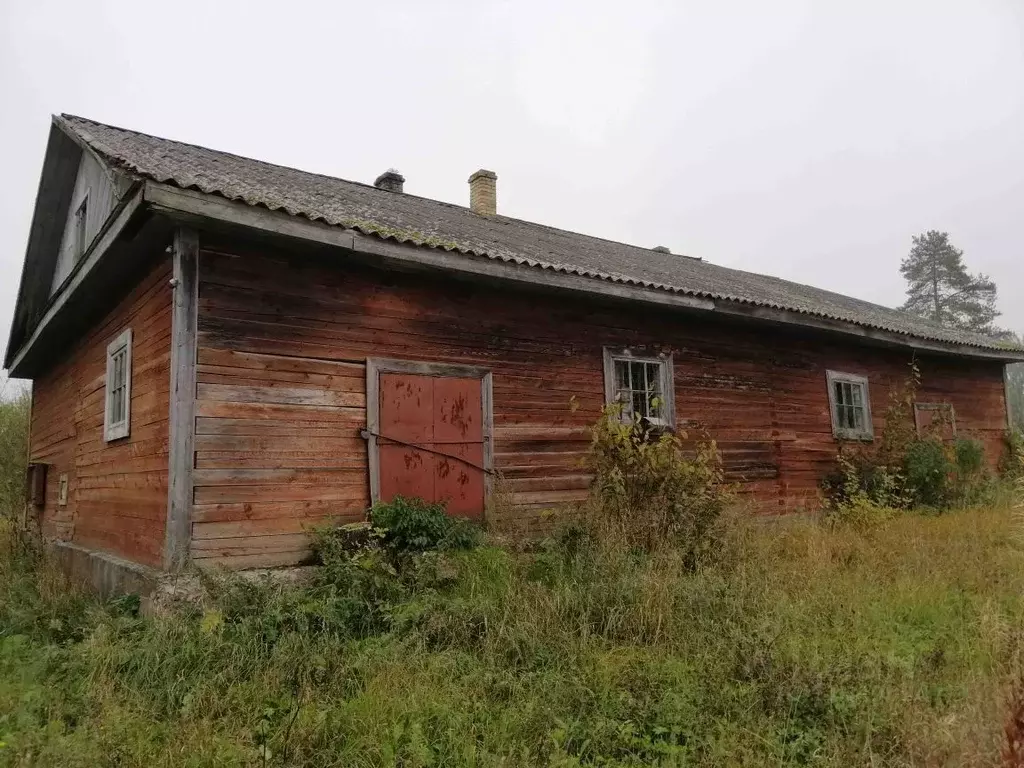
{"points": [[80, 245], [666, 367], [122, 428], [868, 433]]}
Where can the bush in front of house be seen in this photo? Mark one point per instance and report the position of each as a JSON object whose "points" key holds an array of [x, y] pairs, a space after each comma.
{"points": [[411, 525], [655, 489]]}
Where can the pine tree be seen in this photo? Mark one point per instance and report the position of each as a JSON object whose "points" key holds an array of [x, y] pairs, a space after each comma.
{"points": [[940, 288]]}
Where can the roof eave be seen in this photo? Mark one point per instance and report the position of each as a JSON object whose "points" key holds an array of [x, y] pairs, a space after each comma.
{"points": [[36, 269], [193, 204], [118, 222]]}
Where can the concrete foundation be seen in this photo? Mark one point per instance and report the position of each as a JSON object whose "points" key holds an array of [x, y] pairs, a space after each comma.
{"points": [[107, 574]]}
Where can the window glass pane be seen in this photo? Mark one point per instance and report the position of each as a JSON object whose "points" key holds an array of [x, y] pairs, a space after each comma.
{"points": [[622, 374], [839, 393], [636, 376], [858, 394], [653, 378], [654, 390], [858, 417], [640, 404]]}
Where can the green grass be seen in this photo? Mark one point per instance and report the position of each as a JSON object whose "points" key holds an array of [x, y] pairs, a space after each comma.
{"points": [[802, 646]]}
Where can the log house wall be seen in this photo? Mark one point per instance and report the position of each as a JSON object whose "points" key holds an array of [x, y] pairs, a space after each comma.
{"points": [[281, 393], [117, 492]]}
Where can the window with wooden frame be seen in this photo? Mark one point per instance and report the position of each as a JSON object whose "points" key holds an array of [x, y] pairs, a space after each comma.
{"points": [[850, 403], [80, 231], [118, 409], [642, 384], [936, 419]]}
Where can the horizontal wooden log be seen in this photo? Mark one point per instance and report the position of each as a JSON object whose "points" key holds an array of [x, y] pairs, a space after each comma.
{"points": [[280, 395], [261, 510], [292, 492]]}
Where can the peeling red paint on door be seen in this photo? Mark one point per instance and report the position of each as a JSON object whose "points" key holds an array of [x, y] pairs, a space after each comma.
{"points": [[458, 431], [436, 451]]}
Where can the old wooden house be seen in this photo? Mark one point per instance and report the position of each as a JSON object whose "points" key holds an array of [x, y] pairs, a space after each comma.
{"points": [[225, 352]]}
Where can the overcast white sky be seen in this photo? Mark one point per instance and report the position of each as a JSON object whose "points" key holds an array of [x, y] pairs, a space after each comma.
{"points": [[808, 139]]}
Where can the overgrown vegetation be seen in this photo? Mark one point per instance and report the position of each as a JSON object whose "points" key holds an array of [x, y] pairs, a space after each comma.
{"points": [[656, 629], [653, 490], [14, 415], [912, 471], [617, 641], [804, 645]]}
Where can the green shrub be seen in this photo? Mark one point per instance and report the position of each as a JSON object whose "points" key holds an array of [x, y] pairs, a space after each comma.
{"points": [[970, 458], [861, 493], [367, 575], [655, 489], [861, 476], [414, 525], [1011, 463], [927, 471]]}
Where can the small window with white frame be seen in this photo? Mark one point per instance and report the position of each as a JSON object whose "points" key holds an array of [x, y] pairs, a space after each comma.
{"points": [[81, 230], [850, 404], [118, 410], [641, 384]]}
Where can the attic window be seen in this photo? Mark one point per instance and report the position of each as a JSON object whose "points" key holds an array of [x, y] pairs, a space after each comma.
{"points": [[118, 411], [81, 217], [850, 406], [641, 384]]}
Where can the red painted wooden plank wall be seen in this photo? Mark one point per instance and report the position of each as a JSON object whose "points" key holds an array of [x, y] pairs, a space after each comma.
{"points": [[117, 492], [281, 396]]}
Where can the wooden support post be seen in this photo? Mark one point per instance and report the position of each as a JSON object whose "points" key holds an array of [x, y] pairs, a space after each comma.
{"points": [[184, 319], [1010, 422]]}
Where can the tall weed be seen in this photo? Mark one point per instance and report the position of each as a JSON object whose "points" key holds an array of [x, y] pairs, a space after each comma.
{"points": [[811, 646], [655, 489], [14, 419]]}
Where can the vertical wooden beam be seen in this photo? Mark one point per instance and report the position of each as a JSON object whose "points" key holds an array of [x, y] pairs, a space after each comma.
{"points": [[184, 320], [373, 427], [1010, 424]]}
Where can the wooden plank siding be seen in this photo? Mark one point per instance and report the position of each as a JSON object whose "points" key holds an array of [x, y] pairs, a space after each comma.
{"points": [[282, 349], [117, 492]]}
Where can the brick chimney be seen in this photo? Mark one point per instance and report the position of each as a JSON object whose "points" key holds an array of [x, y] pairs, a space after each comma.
{"points": [[391, 180], [483, 192]]}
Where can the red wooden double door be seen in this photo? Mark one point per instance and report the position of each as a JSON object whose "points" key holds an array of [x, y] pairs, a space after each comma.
{"points": [[431, 440]]}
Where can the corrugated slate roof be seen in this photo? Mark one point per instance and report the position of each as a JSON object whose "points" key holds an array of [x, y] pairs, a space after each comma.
{"points": [[432, 223]]}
